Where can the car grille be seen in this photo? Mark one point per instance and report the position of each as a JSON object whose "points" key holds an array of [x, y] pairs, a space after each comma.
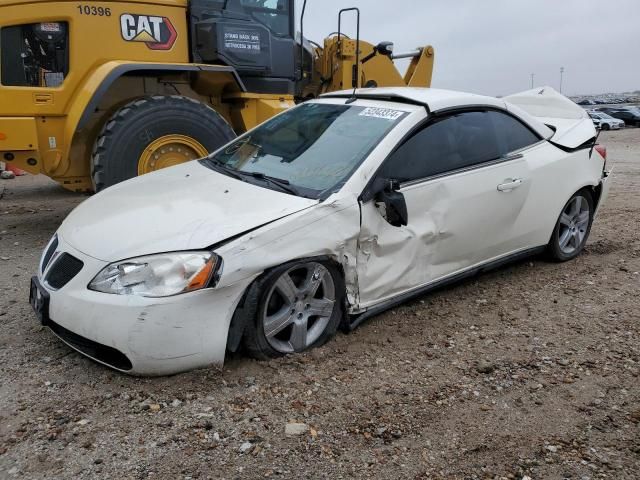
{"points": [[63, 270], [49, 253]]}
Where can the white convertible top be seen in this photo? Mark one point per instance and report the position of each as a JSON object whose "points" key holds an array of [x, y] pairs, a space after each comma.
{"points": [[436, 100], [572, 123]]}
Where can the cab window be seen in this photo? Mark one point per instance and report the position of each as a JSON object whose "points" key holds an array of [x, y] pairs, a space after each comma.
{"points": [[274, 14]]}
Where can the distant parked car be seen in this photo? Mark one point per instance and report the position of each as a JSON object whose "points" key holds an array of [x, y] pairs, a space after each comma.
{"points": [[630, 115], [605, 122]]}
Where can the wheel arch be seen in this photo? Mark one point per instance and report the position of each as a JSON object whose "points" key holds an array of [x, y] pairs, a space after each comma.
{"points": [[201, 72], [595, 190], [82, 124], [247, 308]]}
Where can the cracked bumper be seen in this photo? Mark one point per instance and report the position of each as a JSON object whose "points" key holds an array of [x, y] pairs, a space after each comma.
{"points": [[158, 336]]}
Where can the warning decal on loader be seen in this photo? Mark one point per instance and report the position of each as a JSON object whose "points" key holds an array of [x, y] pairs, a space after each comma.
{"points": [[157, 33], [242, 40]]}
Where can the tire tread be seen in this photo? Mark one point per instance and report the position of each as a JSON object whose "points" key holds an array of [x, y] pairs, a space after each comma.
{"points": [[118, 123]]}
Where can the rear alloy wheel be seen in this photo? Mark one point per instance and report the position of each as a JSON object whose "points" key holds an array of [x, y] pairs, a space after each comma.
{"points": [[300, 307], [572, 228], [156, 132]]}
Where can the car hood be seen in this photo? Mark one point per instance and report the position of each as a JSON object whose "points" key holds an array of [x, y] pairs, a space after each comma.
{"points": [[181, 208]]}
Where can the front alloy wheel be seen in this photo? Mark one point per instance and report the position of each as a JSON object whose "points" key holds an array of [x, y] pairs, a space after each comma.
{"points": [[299, 308]]}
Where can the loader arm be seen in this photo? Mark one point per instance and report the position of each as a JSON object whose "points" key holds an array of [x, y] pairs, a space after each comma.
{"points": [[334, 67]]}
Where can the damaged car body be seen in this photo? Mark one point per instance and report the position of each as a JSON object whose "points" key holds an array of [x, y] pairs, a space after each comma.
{"points": [[315, 220]]}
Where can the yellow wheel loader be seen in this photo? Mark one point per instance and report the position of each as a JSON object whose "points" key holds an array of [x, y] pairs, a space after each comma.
{"points": [[95, 92]]}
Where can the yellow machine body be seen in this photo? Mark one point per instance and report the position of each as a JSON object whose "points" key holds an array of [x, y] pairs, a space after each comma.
{"points": [[52, 130]]}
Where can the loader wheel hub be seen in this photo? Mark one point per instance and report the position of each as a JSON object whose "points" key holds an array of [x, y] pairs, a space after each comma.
{"points": [[168, 151]]}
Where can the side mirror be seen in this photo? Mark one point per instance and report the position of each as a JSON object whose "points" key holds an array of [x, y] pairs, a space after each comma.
{"points": [[395, 205]]}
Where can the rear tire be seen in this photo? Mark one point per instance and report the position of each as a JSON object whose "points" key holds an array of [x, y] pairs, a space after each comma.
{"points": [[121, 150], [605, 126], [572, 228]]}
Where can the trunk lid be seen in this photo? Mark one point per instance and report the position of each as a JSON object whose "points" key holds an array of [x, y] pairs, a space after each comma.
{"points": [[571, 123]]}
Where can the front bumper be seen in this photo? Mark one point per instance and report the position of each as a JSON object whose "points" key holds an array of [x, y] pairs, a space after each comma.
{"points": [[155, 336]]}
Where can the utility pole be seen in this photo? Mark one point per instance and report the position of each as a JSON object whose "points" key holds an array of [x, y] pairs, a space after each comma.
{"points": [[561, 72], [532, 75]]}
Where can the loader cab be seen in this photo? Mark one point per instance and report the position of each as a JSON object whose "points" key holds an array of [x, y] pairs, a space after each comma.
{"points": [[256, 37]]}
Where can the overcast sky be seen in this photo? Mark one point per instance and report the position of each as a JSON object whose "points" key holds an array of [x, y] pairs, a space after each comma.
{"points": [[493, 46]]}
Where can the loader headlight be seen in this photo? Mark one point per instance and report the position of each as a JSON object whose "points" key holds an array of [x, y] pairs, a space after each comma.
{"points": [[159, 275]]}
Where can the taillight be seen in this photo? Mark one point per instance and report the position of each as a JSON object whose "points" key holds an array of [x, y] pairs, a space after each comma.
{"points": [[602, 150]]}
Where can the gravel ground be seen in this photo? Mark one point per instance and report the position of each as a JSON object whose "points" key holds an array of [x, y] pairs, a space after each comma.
{"points": [[529, 371]]}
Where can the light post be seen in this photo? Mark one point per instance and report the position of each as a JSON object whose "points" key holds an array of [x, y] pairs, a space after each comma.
{"points": [[561, 72], [532, 75]]}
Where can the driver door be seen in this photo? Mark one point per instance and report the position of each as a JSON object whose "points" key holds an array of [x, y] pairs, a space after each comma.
{"points": [[463, 194]]}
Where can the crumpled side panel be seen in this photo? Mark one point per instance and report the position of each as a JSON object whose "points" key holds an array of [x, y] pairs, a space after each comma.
{"points": [[454, 223], [328, 229]]}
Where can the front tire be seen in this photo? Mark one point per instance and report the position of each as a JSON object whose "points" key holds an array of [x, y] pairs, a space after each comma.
{"points": [[572, 228], [151, 133], [300, 305], [605, 126]]}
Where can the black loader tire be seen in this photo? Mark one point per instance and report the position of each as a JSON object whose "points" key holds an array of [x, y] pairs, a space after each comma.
{"points": [[130, 130]]}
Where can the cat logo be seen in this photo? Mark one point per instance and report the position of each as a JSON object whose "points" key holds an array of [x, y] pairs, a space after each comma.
{"points": [[157, 33]]}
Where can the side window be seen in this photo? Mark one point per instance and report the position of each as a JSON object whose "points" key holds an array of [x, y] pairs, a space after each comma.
{"points": [[512, 134], [425, 154], [454, 142]]}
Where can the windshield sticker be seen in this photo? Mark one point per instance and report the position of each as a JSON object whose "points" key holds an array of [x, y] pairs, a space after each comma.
{"points": [[386, 113]]}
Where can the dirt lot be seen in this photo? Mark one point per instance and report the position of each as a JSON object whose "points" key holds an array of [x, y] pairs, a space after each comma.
{"points": [[530, 371]]}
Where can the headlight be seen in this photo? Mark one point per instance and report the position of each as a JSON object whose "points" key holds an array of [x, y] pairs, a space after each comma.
{"points": [[159, 275]]}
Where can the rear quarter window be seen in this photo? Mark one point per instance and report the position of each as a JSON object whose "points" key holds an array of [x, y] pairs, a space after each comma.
{"points": [[512, 133]]}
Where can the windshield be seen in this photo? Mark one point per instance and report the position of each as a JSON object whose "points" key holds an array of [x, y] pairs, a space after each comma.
{"points": [[311, 149]]}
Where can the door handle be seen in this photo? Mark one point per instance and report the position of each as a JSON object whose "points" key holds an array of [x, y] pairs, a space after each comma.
{"points": [[510, 185]]}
